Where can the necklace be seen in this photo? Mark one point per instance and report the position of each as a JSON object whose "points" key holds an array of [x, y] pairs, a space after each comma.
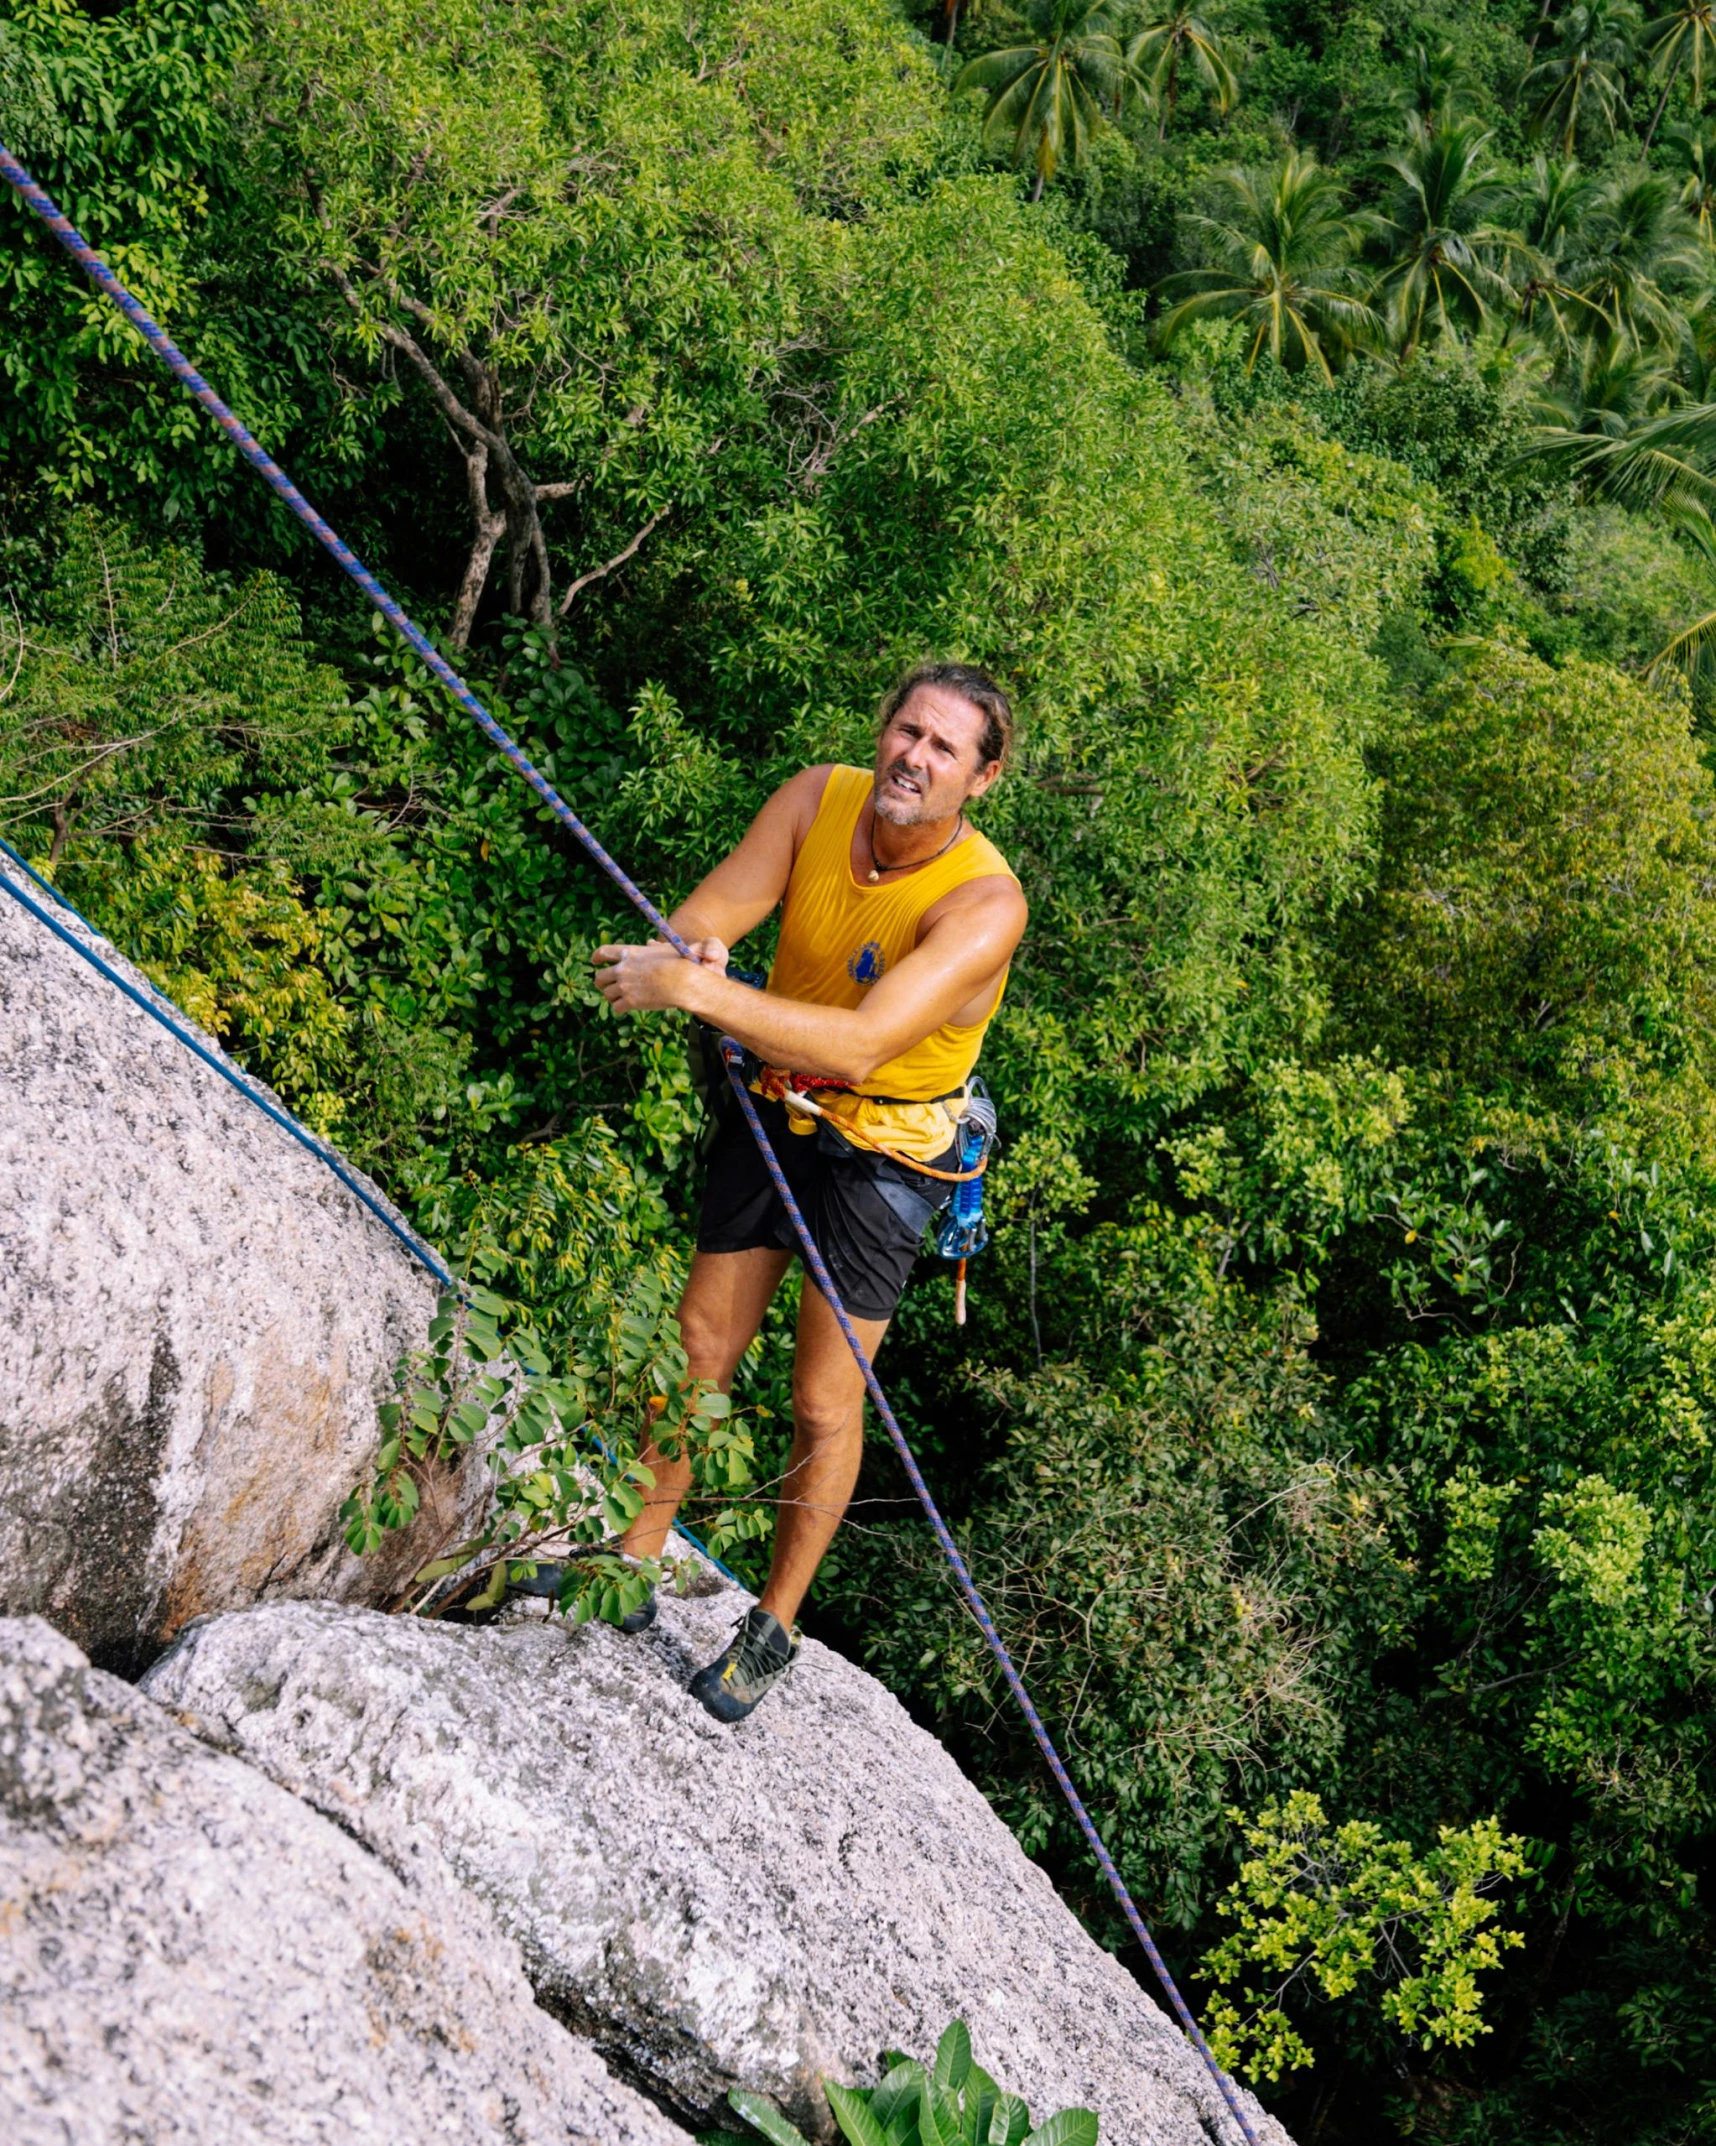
{"points": [[876, 870]]}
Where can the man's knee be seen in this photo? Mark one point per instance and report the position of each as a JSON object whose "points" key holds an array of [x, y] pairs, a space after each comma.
{"points": [[706, 1338], [827, 1419]]}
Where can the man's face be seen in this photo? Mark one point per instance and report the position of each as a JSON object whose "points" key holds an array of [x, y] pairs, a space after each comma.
{"points": [[927, 758]]}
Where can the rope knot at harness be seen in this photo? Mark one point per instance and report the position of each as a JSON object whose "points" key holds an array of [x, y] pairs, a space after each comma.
{"points": [[47, 211]]}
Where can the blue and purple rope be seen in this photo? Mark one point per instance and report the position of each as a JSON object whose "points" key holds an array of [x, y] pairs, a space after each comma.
{"points": [[974, 1601], [277, 480]]}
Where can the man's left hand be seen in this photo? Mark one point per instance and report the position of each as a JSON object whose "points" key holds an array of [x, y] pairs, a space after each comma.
{"points": [[643, 979]]}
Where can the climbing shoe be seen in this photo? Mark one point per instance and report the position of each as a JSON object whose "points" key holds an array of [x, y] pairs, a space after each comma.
{"points": [[549, 1579], [760, 1653]]}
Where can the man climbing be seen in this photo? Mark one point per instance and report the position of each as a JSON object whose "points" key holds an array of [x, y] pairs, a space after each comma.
{"points": [[900, 920]]}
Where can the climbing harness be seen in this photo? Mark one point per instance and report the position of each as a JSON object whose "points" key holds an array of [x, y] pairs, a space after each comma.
{"points": [[42, 206], [799, 1091]]}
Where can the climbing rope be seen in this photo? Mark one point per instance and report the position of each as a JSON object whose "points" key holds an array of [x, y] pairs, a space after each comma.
{"points": [[159, 1009], [41, 204]]}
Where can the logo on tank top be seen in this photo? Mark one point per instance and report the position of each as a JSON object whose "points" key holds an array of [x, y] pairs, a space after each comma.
{"points": [[866, 966]]}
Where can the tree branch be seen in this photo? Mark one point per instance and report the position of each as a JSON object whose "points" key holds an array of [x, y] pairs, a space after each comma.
{"points": [[619, 559], [449, 404]]}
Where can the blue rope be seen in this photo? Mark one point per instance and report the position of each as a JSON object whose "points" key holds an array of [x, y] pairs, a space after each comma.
{"points": [[277, 480], [157, 1010]]}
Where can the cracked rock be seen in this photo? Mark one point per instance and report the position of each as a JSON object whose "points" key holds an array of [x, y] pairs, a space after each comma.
{"points": [[759, 1906], [188, 1954]]}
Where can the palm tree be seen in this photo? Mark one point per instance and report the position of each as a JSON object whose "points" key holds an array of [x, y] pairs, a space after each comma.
{"points": [[950, 18], [1608, 388], [1547, 256], [1686, 32], [1185, 36], [1694, 151], [1437, 232], [1641, 248], [1667, 465], [1047, 97], [1284, 261], [1435, 86], [1584, 69]]}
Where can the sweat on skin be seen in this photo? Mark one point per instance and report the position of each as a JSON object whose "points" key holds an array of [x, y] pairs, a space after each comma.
{"points": [[930, 763]]}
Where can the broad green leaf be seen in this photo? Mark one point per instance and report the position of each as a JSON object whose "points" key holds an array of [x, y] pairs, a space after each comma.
{"points": [[898, 2090], [953, 2056], [1067, 2127], [854, 2116], [492, 1595], [439, 1568], [978, 2106], [1010, 2122], [764, 2117]]}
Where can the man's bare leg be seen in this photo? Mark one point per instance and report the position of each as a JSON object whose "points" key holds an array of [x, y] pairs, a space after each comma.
{"points": [[827, 1446], [723, 1306]]}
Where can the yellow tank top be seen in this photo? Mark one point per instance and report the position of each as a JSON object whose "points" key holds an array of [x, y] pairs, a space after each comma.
{"points": [[840, 935]]}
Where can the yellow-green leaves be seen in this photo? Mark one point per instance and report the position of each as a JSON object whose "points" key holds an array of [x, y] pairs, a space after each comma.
{"points": [[1322, 1910], [1473, 1511]]}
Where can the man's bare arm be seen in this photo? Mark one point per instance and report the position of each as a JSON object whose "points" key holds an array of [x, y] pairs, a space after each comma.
{"points": [[959, 959], [745, 886]]}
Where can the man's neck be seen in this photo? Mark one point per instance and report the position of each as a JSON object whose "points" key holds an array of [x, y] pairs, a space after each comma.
{"points": [[896, 847]]}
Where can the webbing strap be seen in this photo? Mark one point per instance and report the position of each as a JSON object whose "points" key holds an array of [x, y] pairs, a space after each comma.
{"points": [[42, 205]]}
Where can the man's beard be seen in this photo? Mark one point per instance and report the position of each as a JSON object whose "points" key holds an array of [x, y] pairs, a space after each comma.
{"points": [[899, 813]]}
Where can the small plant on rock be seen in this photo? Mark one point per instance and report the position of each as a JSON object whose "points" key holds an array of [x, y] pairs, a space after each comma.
{"points": [[952, 2103], [562, 1440]]}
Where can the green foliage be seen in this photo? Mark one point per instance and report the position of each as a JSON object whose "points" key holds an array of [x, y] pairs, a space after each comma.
{"points": [[118, 113], [1327, 1907], [1543, 921], [1162, 1524], [562, 1443], [1336, 1414], [952, 2102]]}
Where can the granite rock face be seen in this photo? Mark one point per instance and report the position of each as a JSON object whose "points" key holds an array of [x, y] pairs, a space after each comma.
{"points": [[711, 1906], [192, 1955], [196, 1323]]}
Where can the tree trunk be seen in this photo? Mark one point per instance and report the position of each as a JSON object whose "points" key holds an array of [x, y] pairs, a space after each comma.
{"points": [[476, 578], [1537, 30], [1173, 90], [952, 23], [1037, 190], [1661, 102]]}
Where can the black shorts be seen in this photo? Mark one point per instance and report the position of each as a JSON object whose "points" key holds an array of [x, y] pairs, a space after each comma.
{"points": [[866, 1213]]}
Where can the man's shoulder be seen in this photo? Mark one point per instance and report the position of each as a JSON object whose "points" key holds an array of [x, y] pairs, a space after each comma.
{"points": [[991, 891], [802, 794]]}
